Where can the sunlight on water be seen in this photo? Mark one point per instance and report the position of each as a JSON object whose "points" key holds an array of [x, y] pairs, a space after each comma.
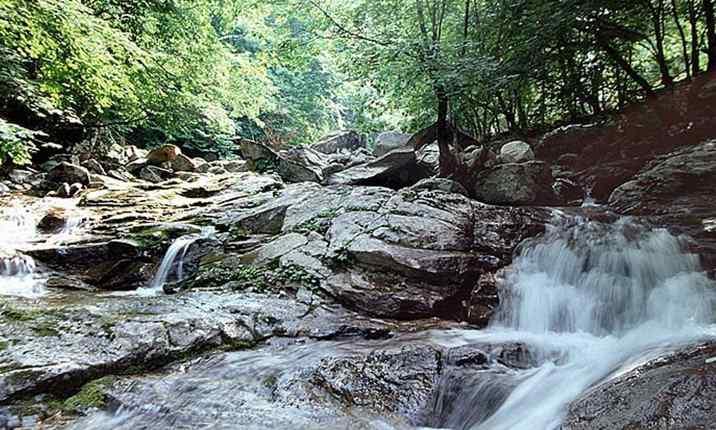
{"points": [[589, 299], [19, 274]]}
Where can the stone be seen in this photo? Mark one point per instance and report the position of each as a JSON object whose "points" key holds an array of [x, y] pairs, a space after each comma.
{"points": [[217, 170], [135, 166], [568, 191], [163, 154], [302, 165], [75, 189], [94, 167], [4, 189], [516, 152], [182, 163], [235, 166], [676, 189], [255, 151], [676, 391], [429, 157], [396, 170], [64, 191], [390, 141], [70, 173], [516, 184], [154, 174], [53, 221], [20, 176], [339, 141], [440, 184]]}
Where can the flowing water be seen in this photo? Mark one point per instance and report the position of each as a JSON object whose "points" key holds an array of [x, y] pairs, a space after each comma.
{"points": [[588, 300], [172, 265], [19, 275]]}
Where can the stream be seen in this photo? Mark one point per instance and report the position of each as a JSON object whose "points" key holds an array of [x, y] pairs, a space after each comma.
{"points": [[588, 301], [585, 302]]}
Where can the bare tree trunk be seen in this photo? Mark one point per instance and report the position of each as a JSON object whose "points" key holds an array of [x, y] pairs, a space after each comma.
{"points": [[625, 66], [694, 30], [448, 162], [657, 16], [682, 35], [710, 32]]}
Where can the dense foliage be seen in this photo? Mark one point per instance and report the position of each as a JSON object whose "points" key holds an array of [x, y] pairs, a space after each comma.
{"points": [[203, 73], [512, 65]]}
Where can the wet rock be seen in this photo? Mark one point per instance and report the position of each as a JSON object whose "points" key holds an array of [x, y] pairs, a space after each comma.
{"points": [[163, 154], [182, 163], [339, 141], [70, 173], [4, 189], [394, 170], [20, 176], [94, 167], [301, 165], [440, 184], [516, 152], [154, 174], [53, 221], [75, 189], [136, 165], [429, 157], [568, 191], [676, 190], [217, 170], [258, 153], [235, 166], [399, 381], [390, 141], [676, 391], [516, 184], [63, 191]]}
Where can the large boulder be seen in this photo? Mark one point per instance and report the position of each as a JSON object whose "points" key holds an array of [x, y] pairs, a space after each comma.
{"points": [[182, 163], [302, 165], [163, 154], [396, 170], [413, 254], [339, 141], [516, 152], [675, 392], [676, 189], [65, 172], [429, 157], [516, 184], [154, 174], [390, 141]]}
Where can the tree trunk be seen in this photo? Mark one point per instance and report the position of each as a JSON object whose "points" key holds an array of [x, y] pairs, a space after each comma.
{"points": [[710, 32], [448, 163], [694, 30], [658, 20], [682, 36], [625, 66]]}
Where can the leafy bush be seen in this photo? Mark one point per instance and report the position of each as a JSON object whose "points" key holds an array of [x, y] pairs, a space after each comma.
{"points": [[16, 143]]}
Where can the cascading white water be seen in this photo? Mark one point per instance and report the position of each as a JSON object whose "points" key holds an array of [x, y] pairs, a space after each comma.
{"points": [[589, 299], [18, 230], [173, 261]]}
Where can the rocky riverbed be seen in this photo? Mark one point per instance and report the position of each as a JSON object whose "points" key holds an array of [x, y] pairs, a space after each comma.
{"points": [[314, 295]]}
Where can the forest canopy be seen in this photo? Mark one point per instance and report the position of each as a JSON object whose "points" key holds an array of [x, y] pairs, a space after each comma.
{"points": [[204, 73]]}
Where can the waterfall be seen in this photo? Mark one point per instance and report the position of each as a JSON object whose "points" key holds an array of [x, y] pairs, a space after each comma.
{"points": [[173, 262], [587, 300], [19, 275], [17, 271]]}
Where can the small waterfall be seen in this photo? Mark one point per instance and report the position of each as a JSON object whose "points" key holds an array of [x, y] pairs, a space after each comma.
{"points": [[173, 262], [19, 275], [587, 300]]}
